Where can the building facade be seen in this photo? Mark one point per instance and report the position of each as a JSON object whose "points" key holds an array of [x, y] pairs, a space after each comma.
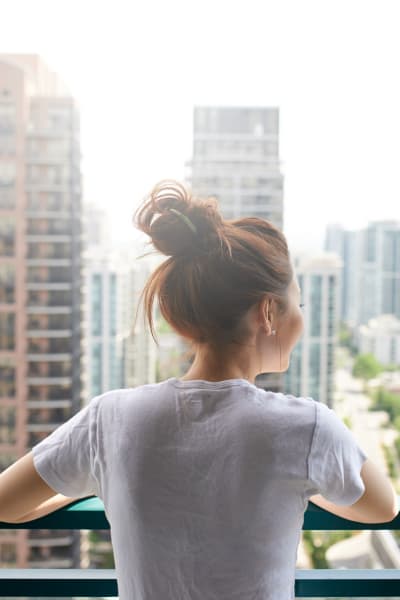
{"points": [[370, 284], [381, 337], [119, 351], [141, 351], [311, 369], [40, 280], [236, 159]]}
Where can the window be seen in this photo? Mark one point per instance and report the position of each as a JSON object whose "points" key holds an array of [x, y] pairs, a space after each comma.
{"points": [[388, 299], [7, 284], [49, 250], [7, 128], [7, 331], [97, 304], [7, 378], [370, 242], [96, 375], [314, 364], [330, 357], [7, 236], [391, 251], [59, 118], [49, 298], [331, 305], [7, 196], [34, 437], [8, 550], [49, 274], [113, 304], [49, 415], [7, 425], [315, 311], [7, 117], [7, 173]]}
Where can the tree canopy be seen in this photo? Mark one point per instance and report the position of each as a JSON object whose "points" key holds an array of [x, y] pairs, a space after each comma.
{"points": [[366, 366]]}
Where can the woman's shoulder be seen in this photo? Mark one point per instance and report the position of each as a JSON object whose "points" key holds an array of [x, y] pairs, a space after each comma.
{"points": [[298, 409], [128, 394]]}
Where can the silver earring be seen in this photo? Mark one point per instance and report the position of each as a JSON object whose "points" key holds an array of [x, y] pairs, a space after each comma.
{"points": [[273, 332]]}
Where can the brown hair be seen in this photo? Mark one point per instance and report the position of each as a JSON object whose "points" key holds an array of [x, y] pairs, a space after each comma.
{"points": [[217, 269]]}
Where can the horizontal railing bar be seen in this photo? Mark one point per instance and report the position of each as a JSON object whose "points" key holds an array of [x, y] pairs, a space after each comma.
{"points": [[102, 582], [58, 582], [336, 583], [89, 514]]}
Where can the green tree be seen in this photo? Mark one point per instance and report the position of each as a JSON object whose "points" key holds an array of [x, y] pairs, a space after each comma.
{"points": [[348, 422], [366, 366], [392, 367], [388, 402], [346, 338], [318, 542]]}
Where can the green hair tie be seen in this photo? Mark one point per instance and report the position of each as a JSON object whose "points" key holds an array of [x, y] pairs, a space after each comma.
{"points": [[185, 219]]}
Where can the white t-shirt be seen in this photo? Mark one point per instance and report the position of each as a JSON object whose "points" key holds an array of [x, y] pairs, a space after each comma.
{"points": [[204, 483]]}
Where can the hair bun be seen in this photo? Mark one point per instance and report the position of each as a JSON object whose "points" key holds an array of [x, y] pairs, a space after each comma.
{"points": [[177, 223]]}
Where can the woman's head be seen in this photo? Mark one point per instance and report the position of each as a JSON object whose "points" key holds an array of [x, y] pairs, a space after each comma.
{"points": [[217, 270]]}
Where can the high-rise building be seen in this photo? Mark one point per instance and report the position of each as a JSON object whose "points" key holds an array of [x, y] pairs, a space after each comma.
{"points": [[236, 159], [141, 351], [371, 270], [40, 280], [349, 246], [118, 352], [105, 329], [311, 368], [381, 270], [95, 223]]}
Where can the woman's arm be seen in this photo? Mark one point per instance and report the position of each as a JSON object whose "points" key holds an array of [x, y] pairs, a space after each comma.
{"points": [[24, 495], [378, 504], [45, 508]]}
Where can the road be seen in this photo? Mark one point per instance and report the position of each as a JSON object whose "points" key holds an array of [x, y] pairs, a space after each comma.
{"points": [[368, 427]]}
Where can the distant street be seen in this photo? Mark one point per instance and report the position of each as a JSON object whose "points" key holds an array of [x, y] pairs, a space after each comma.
{"points": [[367, 426]]}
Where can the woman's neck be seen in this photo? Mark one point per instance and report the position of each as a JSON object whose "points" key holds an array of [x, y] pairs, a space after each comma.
{"points": [[210, 365]]}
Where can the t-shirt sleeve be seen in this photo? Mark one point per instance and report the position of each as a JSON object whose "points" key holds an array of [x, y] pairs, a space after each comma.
{"points": [[335, 459], [65, 459]]}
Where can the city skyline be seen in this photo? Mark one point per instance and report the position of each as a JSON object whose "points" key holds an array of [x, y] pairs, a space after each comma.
{"points": [[138, 73]]}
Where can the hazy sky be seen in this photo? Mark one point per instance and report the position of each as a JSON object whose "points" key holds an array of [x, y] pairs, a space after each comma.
{"points": [[138, 68]]}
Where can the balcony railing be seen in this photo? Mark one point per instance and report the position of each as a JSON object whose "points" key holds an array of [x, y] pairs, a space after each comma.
{"points": [[89, 514]]}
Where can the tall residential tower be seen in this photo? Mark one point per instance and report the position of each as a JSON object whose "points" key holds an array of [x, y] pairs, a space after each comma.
{"points": [[236, 159], [312, 362], [40, 280], [371, 273]]}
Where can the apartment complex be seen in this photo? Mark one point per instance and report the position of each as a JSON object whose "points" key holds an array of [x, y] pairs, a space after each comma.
{"points": [[370, 284], [118, 351], [40, 280], [311, 369], [236, 159]]}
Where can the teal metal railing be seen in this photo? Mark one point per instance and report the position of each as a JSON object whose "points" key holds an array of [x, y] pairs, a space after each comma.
{"points": [[89, 514]]}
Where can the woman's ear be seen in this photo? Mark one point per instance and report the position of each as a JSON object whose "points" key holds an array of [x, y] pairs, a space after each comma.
{"points": [[265, 315]]}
